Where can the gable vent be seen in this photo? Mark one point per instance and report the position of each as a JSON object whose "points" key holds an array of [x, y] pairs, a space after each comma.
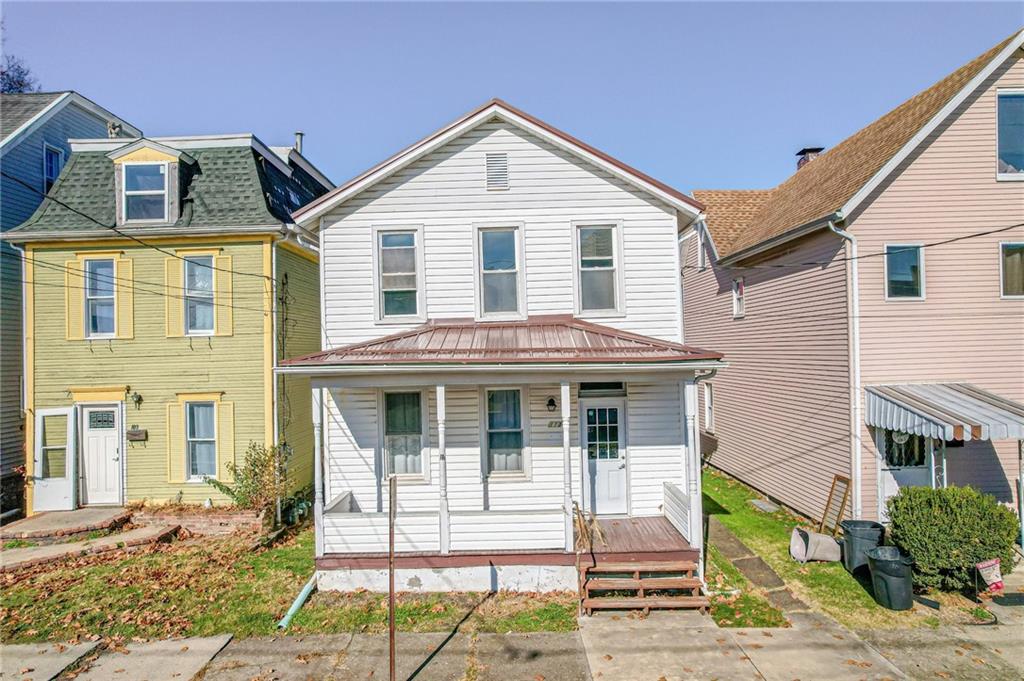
{"points": [[497, 171]]}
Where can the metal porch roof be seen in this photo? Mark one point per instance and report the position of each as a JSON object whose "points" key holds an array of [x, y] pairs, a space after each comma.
{"points": [[950, 411]]}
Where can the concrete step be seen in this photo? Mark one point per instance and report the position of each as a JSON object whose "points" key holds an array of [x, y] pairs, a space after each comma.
{"points": [[20, 559], [51, 527]]}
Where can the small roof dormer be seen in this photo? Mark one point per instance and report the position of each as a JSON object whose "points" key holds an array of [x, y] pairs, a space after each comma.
{"points": [[147, 181]]}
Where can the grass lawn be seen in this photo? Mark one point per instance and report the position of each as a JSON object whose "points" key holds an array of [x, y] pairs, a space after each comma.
{"points": [[746, 607], [206, 586], [826, 586]]}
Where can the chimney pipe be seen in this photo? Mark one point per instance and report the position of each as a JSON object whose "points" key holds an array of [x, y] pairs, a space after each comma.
{"points": [[298, 140], [806, 155]]}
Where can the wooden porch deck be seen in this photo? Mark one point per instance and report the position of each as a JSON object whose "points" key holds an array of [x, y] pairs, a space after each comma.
{"points": [[635, 540]]}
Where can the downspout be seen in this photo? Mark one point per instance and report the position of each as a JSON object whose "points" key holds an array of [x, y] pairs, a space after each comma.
{"points": [[853, 301]]}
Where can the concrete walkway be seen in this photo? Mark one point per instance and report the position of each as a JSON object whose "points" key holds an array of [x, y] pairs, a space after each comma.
{"points": [[19, 559], [40, 661], [53, 525]]}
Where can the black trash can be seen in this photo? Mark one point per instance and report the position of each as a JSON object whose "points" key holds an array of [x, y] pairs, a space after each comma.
{"points": [[859, 537], [891, 577]]}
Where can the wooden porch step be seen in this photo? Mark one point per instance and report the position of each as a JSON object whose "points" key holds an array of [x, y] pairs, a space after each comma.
{"points": [[645, 603], [653, 566], [618, 583]]}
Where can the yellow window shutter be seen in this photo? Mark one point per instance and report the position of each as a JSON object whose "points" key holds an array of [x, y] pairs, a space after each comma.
{"points": [[222, 295], [174, 300], [225, 440], [74, 300], [125, 298], [175, 443]]}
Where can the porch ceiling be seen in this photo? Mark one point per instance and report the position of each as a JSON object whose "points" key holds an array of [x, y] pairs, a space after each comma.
{"points": [[537, 340], [950, 411]]}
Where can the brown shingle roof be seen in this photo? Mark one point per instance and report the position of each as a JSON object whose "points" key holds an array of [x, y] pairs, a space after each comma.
{"points": [[824, 185], [729, 212], [538, 339]]}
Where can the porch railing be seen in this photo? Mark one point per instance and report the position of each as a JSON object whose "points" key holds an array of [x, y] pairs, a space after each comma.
{"points": [[677, 509]]}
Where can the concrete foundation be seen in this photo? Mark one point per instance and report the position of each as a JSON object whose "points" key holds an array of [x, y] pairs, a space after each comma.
{"points": [[527, 578]]}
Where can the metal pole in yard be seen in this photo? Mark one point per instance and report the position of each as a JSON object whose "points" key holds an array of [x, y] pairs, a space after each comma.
{"points": [[392, 510]]}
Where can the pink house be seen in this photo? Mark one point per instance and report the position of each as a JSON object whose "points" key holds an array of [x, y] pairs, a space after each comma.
{"points": [[872, 305]]}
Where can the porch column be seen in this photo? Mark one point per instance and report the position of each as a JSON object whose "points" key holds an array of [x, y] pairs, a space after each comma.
{"points": [[696, 537], [567, 468], [442, 467], [318, 473]]}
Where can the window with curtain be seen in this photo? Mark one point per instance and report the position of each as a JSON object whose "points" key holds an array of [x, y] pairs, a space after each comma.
{"points": [[504, 431], [904, 271], [499, 271], [398, 282], [1013, 269], [597, 268], [145, 192], [403, 433], [201, 432], [1011, 134], [905, 450], [199, 317], [99, 297]]}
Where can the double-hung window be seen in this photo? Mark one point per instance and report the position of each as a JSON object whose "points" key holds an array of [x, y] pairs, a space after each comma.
{"points": [[398, 277], [1011, 265], [145, 192], [201, 439], [904, 272], [53, 161], [403, 433], [499, 271], [709, 407], [738, 298], [1010, 132], [598, 271], [199, 316], [504, 431], [99, 298]]}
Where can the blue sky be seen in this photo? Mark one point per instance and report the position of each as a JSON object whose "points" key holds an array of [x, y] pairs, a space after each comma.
{"points": [[699, 95]]}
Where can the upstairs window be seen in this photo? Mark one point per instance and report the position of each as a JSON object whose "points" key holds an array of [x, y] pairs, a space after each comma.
{"points": [[53, 161], [702, 258], [403, 433], [598, 269], [499, 271], [904, 272], [99, 298], [398, 278], [709, 407], [1012, 268], [199, 317], [738, 291], [1010, 163], [145, 192]]}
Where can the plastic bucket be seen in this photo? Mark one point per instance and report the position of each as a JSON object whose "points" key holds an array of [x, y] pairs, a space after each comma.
{"points": [[891, 577]]}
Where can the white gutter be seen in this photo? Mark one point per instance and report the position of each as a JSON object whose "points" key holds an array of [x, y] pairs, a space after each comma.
{"points": [[853, 303], [371, 369]]}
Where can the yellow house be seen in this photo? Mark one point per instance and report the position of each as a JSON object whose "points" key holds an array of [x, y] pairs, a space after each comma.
{"points": [[163, 282]]}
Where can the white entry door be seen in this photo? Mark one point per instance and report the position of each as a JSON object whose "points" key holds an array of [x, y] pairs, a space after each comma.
{"points": [[53, 473], [905, 461], [604, 447], [101, 455]]}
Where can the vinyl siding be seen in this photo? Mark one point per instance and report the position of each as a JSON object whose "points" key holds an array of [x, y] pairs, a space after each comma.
{"points": [[782, 418], [155, 366], [17, 203], [298, 333], [962, 331], [444, 192]]}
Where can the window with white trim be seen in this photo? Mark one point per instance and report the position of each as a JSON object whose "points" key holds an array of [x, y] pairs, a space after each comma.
{"points": [[201, 439], [403, 433], [904, 271], [53, 161], [504, 430], [397, 262], [199, 315], [702, 258], [1011, 267], [1010, 133], [499, 270], [709, 407], [144, 194], [738, 303], [598, 268], [100, 310], [904, 450]]}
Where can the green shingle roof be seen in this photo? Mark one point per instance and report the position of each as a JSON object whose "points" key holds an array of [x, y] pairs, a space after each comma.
{"points": [[224, 187], [17, 108]]}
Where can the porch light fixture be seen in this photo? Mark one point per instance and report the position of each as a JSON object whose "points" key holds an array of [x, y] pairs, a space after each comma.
{"points": [[136, 399], [552, 404]]}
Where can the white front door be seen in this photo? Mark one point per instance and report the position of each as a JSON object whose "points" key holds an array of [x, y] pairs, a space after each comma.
{"points": [[101, 455], [905, 461], [603, 437], [53, 473]]}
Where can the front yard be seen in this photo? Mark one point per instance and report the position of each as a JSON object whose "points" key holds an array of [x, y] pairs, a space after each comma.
{"points": [[825, 586]]}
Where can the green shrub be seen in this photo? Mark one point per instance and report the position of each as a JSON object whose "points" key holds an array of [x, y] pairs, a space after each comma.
{"points": [[948, 531], [260, 480]]}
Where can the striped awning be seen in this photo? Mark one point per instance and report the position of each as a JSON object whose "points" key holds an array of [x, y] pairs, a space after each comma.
{"points": [[948, 411]]}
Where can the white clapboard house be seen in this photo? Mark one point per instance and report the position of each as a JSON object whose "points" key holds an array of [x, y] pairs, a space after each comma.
{"points": [[501, 303]]}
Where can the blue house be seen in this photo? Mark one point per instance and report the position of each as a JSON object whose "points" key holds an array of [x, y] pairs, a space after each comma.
{"points": [[35, 128]]}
